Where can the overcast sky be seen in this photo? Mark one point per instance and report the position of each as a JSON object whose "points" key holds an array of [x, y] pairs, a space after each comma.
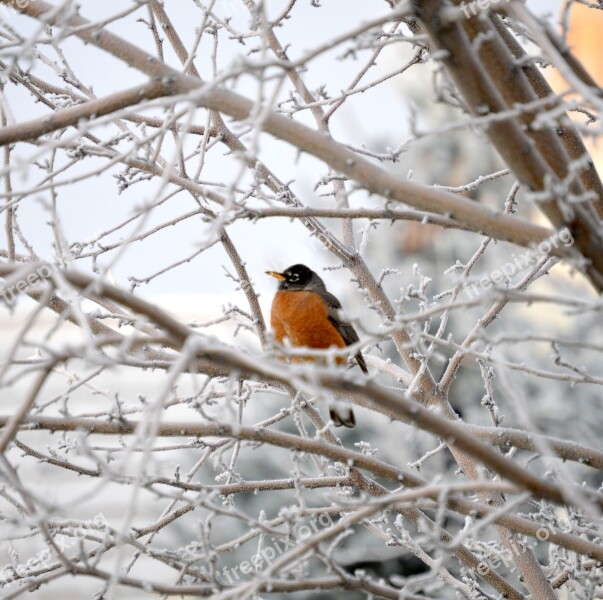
{"points": [[88, 208]]}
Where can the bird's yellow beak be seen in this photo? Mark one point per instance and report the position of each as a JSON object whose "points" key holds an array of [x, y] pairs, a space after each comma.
{"points": [[276, 275]]}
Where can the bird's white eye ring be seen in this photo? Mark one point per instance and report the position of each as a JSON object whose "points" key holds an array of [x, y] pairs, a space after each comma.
{"points": [[294, 277]]}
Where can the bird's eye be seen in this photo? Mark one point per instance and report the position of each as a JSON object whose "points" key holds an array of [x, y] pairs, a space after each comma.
{"points": [[293, 278]]}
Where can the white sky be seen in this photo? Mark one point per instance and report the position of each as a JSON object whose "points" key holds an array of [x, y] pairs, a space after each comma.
{"points": [[90, 207]]}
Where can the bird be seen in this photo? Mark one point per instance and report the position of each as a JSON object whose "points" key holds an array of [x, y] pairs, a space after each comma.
{"points": [[306, 314]]}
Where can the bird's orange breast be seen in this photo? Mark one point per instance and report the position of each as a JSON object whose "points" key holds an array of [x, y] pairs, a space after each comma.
{"points": [[303, 318]]}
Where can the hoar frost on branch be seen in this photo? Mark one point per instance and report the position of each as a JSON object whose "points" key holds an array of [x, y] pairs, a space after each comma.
{"points": [[439, 159]]}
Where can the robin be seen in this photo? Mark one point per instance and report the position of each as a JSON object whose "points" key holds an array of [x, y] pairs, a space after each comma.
{"points": [[309, 316]]}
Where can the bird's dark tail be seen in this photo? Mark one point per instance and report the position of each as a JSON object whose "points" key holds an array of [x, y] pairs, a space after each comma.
{"points": [[342, 415], [361, 362]]}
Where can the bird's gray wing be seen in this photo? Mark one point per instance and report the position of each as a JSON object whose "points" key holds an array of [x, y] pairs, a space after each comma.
{"points": [[345, 329]]}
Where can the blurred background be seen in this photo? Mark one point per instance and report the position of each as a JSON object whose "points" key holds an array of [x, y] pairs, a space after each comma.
{"points": [[400, 113]]}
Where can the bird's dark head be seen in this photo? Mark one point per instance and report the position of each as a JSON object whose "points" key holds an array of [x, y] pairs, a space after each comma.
{"points": [[298, 277]]}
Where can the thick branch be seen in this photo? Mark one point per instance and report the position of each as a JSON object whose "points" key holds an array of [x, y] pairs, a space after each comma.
{"points": [[373, 178]]}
